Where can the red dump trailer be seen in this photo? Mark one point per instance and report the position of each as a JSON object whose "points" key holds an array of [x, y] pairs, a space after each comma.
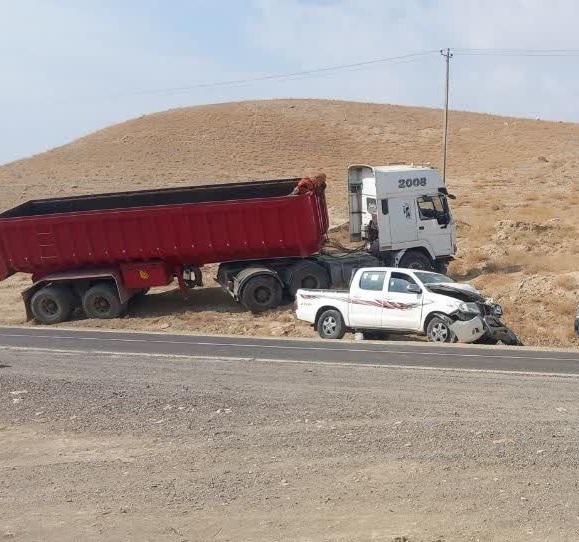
{"points": [[97, 252]]}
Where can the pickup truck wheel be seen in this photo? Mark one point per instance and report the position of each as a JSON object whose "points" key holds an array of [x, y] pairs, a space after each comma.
{"points": [[102, 302], [52, 305], [416, 260], [438, 331], [307, 275], [331, 325], [511, 339], [261, 293]]}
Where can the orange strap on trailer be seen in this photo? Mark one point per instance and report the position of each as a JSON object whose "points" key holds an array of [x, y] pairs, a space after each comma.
{"points": [[311, 184]]}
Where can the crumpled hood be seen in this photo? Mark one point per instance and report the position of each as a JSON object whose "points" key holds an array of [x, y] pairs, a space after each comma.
{"points": [[462, 291]]}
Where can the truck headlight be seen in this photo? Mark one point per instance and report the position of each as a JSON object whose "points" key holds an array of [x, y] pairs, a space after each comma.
{"points": [[469, 308]]}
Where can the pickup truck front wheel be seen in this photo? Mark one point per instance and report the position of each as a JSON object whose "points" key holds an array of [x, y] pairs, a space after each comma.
{"points": [[438, 331], [331, 325]]}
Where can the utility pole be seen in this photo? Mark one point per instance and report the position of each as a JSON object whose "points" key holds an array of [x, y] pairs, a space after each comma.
{"points": [[447, 55]]}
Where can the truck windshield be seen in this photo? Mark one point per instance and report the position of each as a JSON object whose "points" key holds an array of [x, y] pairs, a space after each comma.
{"points": [[432, 278]]}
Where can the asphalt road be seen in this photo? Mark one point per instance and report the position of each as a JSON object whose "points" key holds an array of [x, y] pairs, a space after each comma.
{"points": [[372, 353]]}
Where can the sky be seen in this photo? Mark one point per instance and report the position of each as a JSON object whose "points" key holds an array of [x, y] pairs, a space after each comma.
{"points": [[70, 67]]}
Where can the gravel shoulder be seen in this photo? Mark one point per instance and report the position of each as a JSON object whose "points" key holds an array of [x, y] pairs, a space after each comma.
{"points": [[105, 447]]}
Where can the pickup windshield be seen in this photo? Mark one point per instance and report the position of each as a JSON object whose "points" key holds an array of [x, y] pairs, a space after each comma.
{"points": [[432, 278]]}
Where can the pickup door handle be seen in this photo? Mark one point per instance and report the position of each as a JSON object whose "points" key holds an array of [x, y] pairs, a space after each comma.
{"points": [[421, 227]]}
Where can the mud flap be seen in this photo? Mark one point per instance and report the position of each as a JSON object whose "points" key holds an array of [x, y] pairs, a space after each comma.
{"points": [[469, 331]]}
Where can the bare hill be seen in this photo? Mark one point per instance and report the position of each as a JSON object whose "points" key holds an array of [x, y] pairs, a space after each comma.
{"points": [[516, 182]]}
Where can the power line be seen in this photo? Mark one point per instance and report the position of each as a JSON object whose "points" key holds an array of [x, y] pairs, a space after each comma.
{"points": [[289, 75], [330, 70], [301, 76], [518, 52]]}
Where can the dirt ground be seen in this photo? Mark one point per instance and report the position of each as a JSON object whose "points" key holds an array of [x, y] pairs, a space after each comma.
{"points": [[102, 447], [516, 183]]}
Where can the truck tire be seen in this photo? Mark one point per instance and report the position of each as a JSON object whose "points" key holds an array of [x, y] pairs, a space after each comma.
{"points": [[416, 260], [441, 267], [102, 302], [331, 325], [438, 331], [261, 293], [52, 305], [307, 275]]}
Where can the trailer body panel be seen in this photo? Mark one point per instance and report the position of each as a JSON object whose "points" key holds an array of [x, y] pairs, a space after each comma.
{"points": [[179, 226]]}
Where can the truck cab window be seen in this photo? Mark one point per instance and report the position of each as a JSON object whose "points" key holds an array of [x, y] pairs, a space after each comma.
{"points": [[433, 208], [399, 283], [384, 206], [372, 280]]}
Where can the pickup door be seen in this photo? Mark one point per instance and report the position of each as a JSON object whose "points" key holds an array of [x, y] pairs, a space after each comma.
{"points": [[380, 300], [402, 309]]}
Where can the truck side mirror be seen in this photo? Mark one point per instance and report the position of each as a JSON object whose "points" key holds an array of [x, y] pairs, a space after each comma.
{"points": [[413, 289]]}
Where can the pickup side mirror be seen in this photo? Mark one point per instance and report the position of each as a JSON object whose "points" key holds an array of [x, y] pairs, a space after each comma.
{"points": [[413, 289]]}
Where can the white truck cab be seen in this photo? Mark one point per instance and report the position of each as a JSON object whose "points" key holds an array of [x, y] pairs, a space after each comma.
{"points": [[402, 213], [404, 300]]}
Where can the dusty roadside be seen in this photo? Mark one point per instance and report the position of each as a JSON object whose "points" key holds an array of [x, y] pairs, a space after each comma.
{"points": [[104, 447], [515, 182]]}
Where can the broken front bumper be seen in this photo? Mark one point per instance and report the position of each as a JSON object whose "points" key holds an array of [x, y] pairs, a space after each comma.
{"points": [[469, 331], [495, 329]]}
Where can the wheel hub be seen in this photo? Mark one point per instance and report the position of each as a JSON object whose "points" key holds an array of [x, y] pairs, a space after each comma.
{"points": [[262, 294], [101, 305], [49, 307], [439, 333], [329, 325]]}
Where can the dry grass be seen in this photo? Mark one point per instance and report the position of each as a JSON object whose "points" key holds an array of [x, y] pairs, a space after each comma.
{"points": [[564, 308], [501, 169], [567, 282]]}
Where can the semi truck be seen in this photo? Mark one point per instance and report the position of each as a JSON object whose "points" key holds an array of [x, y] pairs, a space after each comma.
{"points": [[402, 213], [96, 252]]}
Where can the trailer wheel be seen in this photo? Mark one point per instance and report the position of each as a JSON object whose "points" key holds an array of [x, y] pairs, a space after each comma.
{"points": [[102, 301], [416, 260], [52, 305], [261, 293], [331, 325], [307, 275]]}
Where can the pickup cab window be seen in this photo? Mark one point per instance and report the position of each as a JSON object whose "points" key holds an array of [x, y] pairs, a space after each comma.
{"points": [[372, 280], [399, 283]]}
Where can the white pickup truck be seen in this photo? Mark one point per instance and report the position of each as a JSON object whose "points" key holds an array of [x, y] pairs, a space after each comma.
{"points": [[405, 300]]}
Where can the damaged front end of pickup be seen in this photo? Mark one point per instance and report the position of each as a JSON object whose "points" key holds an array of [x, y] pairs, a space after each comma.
{"points": [[477, 319]]}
